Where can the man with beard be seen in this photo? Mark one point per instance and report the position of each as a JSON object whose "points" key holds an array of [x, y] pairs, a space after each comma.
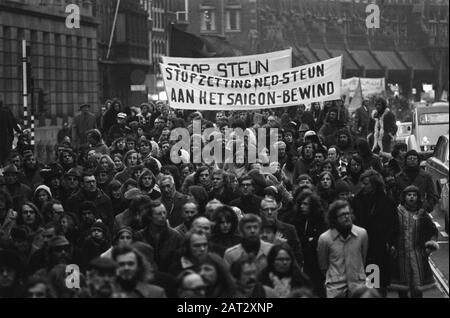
{"points": [[247, 202], [375, 211], [101, 275], [385, 127], [345, 144], [251, 244], [132, 275], [31, 169], [157, 233], [90, 192], [412, 174], [189, 212], [60, 251], [305, 161], [330, 127], [342, 252], [245, 272], [172, 200]]}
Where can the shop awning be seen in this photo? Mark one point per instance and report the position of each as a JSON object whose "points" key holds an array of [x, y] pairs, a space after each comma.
{"points": [[390, 60], [306, 52], [363, 58], [321, 54], [347, 60], [417, 60]]}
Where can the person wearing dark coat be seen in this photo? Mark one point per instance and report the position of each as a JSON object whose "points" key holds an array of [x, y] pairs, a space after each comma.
{"points": [[8, 125], [172, 200], [109, 119], [247, 202], [413, 245], [361, 120], [90, 192], [375, 211], [305, 161], [82, 123], [330, 127], [269, 210], [18, 191], [166, 241], [308, 219], [370, 160], [224, 232], [96, 243], [412, 174]]}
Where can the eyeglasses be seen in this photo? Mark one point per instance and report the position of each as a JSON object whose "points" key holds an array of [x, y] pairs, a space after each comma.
{"points": [[347, 214], [283, 259]]}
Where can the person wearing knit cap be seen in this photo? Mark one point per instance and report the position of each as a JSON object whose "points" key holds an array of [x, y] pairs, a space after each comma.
{"points": [[97, 242], [415, 242], [412, 174], [41, 195]]}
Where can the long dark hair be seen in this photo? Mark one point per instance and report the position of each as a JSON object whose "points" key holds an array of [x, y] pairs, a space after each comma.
{"points": [[225, 283]]}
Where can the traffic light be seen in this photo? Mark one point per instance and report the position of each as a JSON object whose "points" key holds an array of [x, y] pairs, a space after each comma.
{"points": [[42, 101]]}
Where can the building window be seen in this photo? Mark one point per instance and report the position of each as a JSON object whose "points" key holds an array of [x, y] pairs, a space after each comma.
{"points": [[121, 28], [233, 20], [208, 20]]}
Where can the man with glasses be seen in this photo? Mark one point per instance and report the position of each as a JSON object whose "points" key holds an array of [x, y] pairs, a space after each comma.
{"points": [[342, 252], [247, 202], [269, 212], [90, 192]]}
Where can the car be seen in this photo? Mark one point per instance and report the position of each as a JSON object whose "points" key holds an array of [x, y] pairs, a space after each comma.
{"points": [[403, 132], [429, 122], [438, 166]]}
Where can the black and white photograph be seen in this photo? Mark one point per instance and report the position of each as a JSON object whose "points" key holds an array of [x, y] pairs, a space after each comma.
{"points": [[224, 149]]}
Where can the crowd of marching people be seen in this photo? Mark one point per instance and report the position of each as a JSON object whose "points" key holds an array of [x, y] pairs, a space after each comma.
{"points": [[343, 195]]}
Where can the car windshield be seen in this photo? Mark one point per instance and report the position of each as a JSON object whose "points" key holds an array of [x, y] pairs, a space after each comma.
{"points": [[433, 118]]}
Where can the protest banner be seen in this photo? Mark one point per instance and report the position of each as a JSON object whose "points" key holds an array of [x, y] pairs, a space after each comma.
{"points": [[238, 66], [370, 86], [305, 84]]}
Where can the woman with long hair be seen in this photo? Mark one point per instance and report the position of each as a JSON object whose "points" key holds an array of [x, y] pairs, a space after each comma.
{"points": [[282, 272], [309, 221], [326, 189], [30, 217], [224, 233], [354, 171], [219, 282], [131, 159]]}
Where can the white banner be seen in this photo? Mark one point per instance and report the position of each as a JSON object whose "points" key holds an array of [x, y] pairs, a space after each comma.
{"points": [[370, 86], [305, 84], [238, 66]]}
